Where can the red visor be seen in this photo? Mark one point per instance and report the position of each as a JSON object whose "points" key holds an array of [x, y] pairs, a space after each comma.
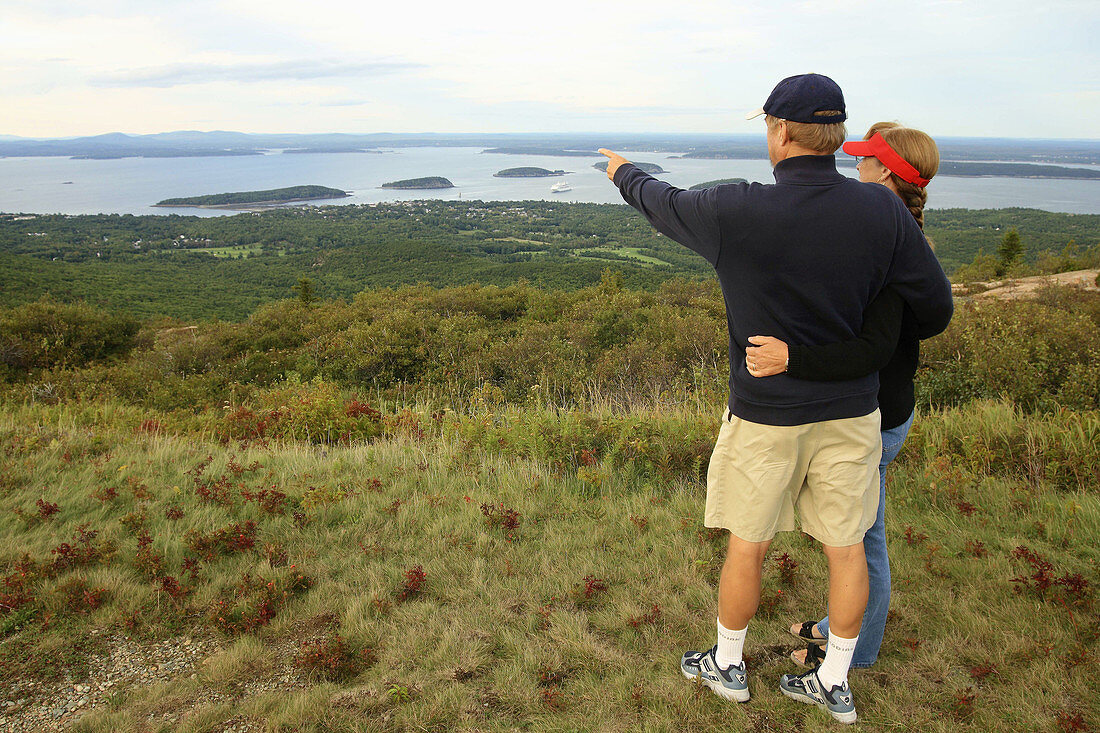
{"points": [[886, 155]]}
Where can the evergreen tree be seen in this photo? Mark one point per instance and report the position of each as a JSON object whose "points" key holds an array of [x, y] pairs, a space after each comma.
{"points": [[305, 290], [1010, 250]]}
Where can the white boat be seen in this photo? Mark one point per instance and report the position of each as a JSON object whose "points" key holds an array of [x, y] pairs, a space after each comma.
{"points": [[561, 187]]}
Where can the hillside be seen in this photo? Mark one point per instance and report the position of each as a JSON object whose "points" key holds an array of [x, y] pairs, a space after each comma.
{"points": [[358, 512]]}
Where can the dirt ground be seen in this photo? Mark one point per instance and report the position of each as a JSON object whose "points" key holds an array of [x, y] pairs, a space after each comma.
{"points": [[1026, 286]]}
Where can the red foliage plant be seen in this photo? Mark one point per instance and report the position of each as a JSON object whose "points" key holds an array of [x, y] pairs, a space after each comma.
{"points": [[225, 541], [913, 537], [15, 589], [331, 658], [46, 509], [788, 568], [649, 618], [498, 515], [355, 408], [588, 590], [105, 494], [413, 585], [77, 597], [255, 602], [84, 551], [1042, 581], [270, 501]]}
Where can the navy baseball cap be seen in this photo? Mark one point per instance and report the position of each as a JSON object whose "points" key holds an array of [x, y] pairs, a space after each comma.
{"points": [[796, 98]]}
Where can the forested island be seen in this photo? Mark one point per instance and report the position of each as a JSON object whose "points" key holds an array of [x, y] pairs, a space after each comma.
{"points": [[1014, 170], [257, 198], [427, 182], [527, 172], [544, 151], [164, 153], [305, 151], [716, 182], [650, 168]]}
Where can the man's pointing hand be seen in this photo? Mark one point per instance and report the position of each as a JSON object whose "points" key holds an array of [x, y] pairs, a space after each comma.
{"points": [[614, 160]]}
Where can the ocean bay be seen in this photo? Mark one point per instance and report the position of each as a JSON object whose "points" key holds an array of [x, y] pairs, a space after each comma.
{"points": [[133, 185]]}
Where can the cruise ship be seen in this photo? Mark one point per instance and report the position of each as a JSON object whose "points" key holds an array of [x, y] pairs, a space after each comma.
{"points": [[561, 187]]}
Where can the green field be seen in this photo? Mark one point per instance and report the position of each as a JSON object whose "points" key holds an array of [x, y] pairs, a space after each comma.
{"points": [[233, 252]]}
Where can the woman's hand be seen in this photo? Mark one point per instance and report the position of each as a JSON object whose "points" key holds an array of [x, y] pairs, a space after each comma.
{"points": [[767, 358]]}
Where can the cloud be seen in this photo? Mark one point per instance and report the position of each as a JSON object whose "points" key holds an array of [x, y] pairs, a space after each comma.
{"points": [[345, 103], [172, 75]]}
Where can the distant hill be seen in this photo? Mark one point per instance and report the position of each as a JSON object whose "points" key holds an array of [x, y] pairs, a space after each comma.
{"points": [[716, 182], [527, 172], [258, 198], [650, 168], [420, 183], [699, 145]]}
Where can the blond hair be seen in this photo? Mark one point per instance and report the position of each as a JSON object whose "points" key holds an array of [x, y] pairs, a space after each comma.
{"points": [[920, 151], [824, 139]]}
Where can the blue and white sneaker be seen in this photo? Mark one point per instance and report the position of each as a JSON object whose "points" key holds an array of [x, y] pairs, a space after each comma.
{"points": [[807, 688], [731, 683]]}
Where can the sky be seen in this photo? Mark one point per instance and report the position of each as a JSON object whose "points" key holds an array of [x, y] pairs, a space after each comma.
{"points": [[1012, 68]]}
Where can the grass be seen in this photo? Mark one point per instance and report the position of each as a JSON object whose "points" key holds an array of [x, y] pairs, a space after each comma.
{"points": [[633, 253], [562, 578], [242, 250]]}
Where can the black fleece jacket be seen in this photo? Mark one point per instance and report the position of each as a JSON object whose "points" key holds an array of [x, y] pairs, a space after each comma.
{"points": [[800, 260]]}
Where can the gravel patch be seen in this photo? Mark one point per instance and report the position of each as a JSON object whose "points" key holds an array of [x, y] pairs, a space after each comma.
{"points": [[30, 705]]}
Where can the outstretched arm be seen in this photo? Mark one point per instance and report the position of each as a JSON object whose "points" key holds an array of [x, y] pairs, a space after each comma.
{"points": [[867, 353], [688, 217]]}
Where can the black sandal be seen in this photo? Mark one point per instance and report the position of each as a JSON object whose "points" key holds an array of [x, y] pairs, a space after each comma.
{"points": [[815, 655], [806, 633]]}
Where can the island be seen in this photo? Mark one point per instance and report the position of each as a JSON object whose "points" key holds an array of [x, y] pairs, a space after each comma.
{"points": [[1014, 170], [544, 151], [650, 168], [527, 172], [716, 182], [162, 153], [305, 151], [420, 183], [272, 197]]}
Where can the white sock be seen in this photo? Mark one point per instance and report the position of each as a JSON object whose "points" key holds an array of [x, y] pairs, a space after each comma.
{"points": [[838, 658], [730, 645]]}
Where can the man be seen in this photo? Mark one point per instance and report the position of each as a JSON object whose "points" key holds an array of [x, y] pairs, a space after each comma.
{"points": [[802, 257]]}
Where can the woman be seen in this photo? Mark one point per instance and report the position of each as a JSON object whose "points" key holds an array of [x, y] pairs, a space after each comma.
{"points": [[902, 159]]}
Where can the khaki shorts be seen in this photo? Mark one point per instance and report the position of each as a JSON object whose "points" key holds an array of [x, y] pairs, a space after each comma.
{"points": [[760, 474]]}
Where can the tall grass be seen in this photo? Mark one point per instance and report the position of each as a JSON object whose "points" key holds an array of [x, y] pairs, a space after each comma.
{"points": [[565, 568]]}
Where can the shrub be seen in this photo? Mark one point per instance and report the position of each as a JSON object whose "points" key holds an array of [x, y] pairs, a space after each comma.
{"points": [[47, 334], [331, 658], [254, 601]]}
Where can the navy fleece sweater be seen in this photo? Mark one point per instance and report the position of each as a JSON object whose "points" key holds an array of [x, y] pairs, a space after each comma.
{"points": [[799, 260]]}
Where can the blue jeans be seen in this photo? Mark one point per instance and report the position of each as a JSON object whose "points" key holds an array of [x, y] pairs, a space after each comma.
{"points": [[878, 562]]}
